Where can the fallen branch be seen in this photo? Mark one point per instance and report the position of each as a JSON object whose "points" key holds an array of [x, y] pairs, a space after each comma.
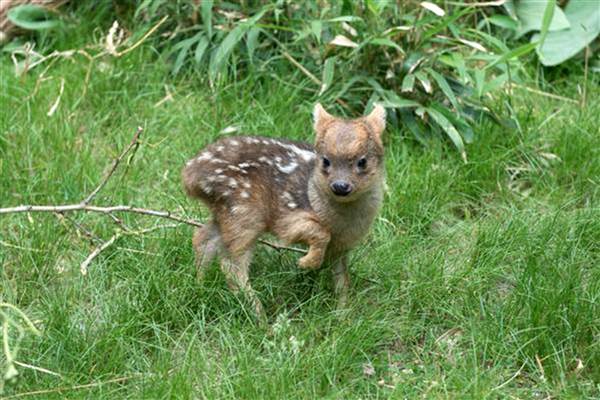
{"points": [[86, 206], [134, 144]]}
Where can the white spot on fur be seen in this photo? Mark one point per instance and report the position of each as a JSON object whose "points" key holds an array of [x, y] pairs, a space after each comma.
{"points": [[220, 148], [232, 183], [265, 142], [218, 161], [265, 160], [287, 196], [244, 165], [234, 142], [278, 159], [287, 169], [211, 179], [306, 155], [221, 178], [205, 155], [254, 140], [218, 171], [247, 185], [234, 168], [244, 194], [292, 205], [187, 164], [226, 193]]}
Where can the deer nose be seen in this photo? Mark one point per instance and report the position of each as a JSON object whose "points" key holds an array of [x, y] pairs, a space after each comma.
{"points": [[341, 188]]}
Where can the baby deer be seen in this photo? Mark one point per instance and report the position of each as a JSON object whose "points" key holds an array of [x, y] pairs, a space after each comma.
{"points": [[325, 196]]}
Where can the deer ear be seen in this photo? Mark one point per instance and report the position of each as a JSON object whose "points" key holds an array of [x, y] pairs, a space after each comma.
{"points": [[376, 119], [321, 119]]}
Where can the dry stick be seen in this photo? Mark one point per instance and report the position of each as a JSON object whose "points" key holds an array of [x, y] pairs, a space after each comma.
{"points": [[133, 144], [124, 208], [110, 210], [67, 388], [546, 94], [585, 75], [83, 268]]}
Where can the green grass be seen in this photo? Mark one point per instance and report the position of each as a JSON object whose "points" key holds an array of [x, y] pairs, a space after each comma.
{"points": [[469, 278]]}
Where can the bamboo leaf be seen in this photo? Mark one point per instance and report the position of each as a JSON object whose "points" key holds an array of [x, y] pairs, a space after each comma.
{"points": [[445, 87], [328, 70], [450, 130]]}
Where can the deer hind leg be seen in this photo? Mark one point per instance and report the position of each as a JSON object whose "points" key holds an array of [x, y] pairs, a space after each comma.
{"points": [[207, 245], [239, 234]]}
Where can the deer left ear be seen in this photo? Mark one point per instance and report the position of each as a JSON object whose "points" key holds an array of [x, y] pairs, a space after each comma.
{"points": [[376, 119]]}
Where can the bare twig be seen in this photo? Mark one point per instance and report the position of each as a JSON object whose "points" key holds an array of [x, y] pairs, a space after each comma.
{"points": [[545, 94], [585, 75], [143, 38], [85, 206], [133, 144], [68, 388], [84, 265], [39, 369]]}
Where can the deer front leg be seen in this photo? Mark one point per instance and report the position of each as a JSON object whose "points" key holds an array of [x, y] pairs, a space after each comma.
{"points": [[341, 280], [304, 227]]}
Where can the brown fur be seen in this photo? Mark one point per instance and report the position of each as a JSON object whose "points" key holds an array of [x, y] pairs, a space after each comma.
{"points": [[325, 196]]}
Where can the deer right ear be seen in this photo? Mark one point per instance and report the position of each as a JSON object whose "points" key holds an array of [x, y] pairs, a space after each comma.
{"points": [[321, 119]]}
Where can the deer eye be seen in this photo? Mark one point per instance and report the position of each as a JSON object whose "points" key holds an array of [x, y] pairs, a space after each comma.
{"points": [[362, 163], [326, 162]]}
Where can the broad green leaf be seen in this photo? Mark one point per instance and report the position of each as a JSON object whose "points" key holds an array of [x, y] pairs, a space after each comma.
{"points": [[222, 53], [316, 28], [530, 14], [200, 49], [408, 83], [182, 49], [450, 130], [584, 17], [409, 120], [504, 22], [206, 10], [514, 53], [328, 69], [392, 100], [546, 20], [445, 87], [386, 42], [252, 42], [425, 82], [32, 17], [345, 18]]}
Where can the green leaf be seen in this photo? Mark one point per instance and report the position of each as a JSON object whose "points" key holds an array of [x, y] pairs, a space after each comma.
{"points": [[409, 121], [252, 42], [316, 28], [392, 100], [32, 17], [450, 130], [328, 69], [386, 42], [206, 11], [425, 82], [200, 49], [183, 47], [345, 18], [408, 83], [559, 46], [546, 20], [514, 53], [504, 22], [530, 14], [222, 53], [445, 87]]}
